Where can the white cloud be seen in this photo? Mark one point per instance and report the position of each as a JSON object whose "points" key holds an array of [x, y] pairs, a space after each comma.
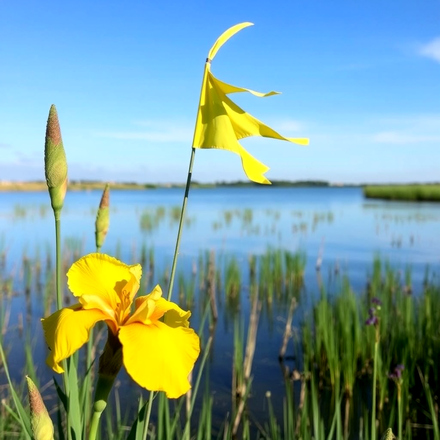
{"points": [[410, 129], [393, 137], [431, 49], [170, 133], [288, 125]]}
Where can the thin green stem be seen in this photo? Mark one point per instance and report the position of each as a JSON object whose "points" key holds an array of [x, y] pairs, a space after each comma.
{"points": [[57, 214], [89, 375], [147, 416], [58, 259], [182, 217], [196, 388], [103, 389], [373, 409], [399, 411]]}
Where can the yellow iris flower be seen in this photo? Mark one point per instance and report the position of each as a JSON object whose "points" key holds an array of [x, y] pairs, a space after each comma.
{"points": [[158, 347]]}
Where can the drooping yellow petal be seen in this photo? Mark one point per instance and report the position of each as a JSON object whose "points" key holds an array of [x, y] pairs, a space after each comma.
{"points": [[67, 330], [159, 357], [103, 276], [221, 123], [152, 307]]}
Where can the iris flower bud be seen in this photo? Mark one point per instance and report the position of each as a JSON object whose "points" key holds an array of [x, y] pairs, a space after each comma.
{"points": [[41, 424], [102, 218], [55, 163]]}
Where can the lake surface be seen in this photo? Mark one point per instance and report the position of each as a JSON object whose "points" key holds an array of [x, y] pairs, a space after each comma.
{"points": [[335, 228]]}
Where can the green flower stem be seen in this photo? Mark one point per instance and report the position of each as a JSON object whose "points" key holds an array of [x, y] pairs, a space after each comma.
{"points": [[373, 410], [103, 388], [58, 258], [147, 415], [89, 374], [59, 290], [182, 216], [399, 411]]}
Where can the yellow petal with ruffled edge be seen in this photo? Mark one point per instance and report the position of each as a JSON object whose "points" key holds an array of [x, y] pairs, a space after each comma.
{"points": [[159, 357], [67, 331], [103, 276], [152, 307]]}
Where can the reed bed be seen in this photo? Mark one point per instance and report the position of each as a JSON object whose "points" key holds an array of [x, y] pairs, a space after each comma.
{"points": [[413, 193], [327, 362]]}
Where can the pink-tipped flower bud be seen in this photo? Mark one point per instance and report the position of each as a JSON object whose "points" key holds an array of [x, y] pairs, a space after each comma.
{"points": [[103, 218], [41, 424], [55, 163]]}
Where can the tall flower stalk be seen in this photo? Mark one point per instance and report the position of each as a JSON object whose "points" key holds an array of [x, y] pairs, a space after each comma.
{"points": [[102, 225], [396, 376], [374, 321], [55, 168]]}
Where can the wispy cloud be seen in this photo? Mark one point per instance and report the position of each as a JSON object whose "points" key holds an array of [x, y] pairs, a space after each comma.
{"points": [[289, 126], [154, 131], [431, 49], [409, 130], [393, 137], [151, 136]]}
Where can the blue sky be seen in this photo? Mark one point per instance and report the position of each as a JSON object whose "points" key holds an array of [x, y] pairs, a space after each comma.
{"points": [[361, 79]]}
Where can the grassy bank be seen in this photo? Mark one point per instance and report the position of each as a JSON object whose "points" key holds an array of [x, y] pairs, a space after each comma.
{"points": [[416, 193]]}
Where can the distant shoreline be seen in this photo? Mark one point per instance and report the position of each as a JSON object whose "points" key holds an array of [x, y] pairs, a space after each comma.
{"points": [[11, 186], [416, 192]]}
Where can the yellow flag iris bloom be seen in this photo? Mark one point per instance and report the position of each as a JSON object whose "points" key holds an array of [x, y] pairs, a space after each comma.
{"points": [[221, 123], [158, 347]]}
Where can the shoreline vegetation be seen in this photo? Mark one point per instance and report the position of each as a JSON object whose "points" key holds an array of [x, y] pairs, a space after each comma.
{"points": [[411, 192]]}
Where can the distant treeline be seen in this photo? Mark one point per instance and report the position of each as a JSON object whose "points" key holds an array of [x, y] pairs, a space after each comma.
{"points": [[414, 192]]}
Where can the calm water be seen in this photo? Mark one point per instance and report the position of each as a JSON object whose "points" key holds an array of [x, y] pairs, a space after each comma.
{"points": [[336, 226]]}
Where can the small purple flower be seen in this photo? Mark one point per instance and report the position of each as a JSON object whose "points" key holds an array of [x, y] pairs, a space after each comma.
{"points": [[372, 320], [376, 301], [397, 373], [399, 370], [372, 311]]}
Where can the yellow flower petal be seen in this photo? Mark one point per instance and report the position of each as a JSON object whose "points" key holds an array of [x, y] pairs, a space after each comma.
{"points": [[103, 276], [152, 307], [158, 357], [67, 330]]}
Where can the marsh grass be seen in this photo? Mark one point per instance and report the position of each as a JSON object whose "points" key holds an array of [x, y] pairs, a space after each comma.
{"points": [[328, 394], [416, 193], [338, 345]]}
